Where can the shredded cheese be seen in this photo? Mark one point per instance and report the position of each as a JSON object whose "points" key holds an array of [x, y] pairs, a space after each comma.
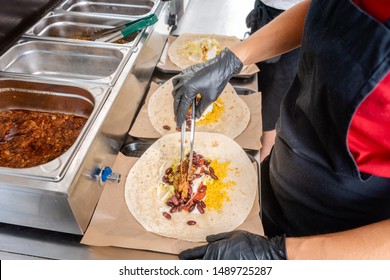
{"points": [[214, 115], [217, 190]]}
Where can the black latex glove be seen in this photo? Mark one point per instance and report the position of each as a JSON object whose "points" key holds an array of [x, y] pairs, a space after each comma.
{"points": [[238, 245], [208, 79]]}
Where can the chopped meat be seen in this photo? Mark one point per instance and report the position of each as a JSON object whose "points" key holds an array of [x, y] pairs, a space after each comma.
{"points": [[31, 138]]}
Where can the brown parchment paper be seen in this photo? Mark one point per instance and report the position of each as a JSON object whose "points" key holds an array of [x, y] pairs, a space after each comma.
{"points": [[113, 225], [248, 139], [165, 65]]}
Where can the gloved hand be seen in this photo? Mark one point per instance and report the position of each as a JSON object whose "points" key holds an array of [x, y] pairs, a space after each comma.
{"points": [[238, 245], [208, 79]]}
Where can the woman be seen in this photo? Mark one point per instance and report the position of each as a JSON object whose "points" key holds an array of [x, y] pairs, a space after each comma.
{"points": [[326, 185], [276, 74]]}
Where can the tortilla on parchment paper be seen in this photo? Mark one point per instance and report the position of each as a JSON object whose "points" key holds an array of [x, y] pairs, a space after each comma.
{"points": [[178, 51], [144, 179], [232, 122]]}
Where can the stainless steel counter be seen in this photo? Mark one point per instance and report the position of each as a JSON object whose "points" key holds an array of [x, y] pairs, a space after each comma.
{"points": [[23, 236], [17, 243]]}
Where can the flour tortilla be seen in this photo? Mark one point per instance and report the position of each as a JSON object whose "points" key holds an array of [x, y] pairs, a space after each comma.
{"points": [[143, 179], [176, 55], [232, 122]]}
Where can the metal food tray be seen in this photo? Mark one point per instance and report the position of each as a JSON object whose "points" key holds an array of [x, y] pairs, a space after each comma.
{"points": [[62, 194], [72, 26], [136, 147], [119, 8], [83, 100], [66, 61]]}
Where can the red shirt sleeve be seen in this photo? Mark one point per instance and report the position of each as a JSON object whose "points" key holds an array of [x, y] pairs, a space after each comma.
{"points": [[379, 9], [369, 133]]}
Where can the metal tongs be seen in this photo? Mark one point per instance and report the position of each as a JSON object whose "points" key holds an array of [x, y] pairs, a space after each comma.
{"points": [[124, 30], [183, 138]]}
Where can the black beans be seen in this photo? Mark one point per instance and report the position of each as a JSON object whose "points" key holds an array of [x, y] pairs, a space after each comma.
{"points": [[169, 203], [175, 201], [165, 179], [166, 215], [168, 171], [200, 208], [212, 174], [192, 207], [173, 209], [191, 223], [177, 194]]}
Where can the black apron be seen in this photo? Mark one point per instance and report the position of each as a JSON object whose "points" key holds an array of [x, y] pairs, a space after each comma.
{"points": [[310, 183]]}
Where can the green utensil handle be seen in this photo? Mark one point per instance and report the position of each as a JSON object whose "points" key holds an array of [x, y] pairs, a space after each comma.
{"points": [[139, 24], [150, 16]]}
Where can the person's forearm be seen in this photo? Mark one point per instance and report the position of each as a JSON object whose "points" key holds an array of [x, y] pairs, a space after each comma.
{"points": [[281, 35], [368, 242]]}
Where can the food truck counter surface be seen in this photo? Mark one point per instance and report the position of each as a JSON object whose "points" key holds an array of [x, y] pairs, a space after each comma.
{"points": [[224, 17]]}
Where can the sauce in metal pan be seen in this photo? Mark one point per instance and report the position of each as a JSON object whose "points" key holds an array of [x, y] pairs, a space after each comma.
{"points": [[31, 138]]}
